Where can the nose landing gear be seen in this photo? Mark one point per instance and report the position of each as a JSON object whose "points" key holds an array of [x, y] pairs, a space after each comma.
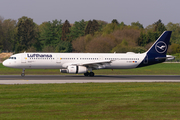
{"points": [[23, 73]]}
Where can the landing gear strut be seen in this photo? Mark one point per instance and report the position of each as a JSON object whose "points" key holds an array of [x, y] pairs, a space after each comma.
{"points": [[91, 74], [23, 73]]}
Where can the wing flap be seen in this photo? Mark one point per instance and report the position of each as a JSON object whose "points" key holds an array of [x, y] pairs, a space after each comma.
{"points": [[94, 63]]}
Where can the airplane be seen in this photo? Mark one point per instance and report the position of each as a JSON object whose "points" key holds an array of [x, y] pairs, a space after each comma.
{"points": [[85, 63]]}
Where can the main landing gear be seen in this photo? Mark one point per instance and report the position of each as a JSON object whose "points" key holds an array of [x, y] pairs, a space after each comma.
{"points": [[91, 74], [23, 73]]}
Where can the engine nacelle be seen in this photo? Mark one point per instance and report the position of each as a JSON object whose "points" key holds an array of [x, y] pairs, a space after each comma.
{"points": [[74, 69]]}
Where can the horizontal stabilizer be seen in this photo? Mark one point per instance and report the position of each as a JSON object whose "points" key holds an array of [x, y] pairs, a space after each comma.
{"points": [[168, 57]]}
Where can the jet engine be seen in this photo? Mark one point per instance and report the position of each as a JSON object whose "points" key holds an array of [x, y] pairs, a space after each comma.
{"points": [[74, 69]]}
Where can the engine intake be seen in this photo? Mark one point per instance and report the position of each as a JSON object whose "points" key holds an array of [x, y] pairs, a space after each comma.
{"points": [[74, 69]]}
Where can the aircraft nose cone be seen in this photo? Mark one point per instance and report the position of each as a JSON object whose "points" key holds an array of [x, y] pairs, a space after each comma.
{"points": [[5, 63]]}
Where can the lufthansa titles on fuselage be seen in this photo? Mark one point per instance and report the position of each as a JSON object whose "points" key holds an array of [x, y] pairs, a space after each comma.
{"points": [[39, 55]]}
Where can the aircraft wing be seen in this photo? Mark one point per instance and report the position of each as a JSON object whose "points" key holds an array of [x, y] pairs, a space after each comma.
{"points": [[95, 62], [94, 65]]}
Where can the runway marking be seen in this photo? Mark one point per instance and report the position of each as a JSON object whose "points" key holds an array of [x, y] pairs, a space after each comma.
{"points": [[23, 79]]}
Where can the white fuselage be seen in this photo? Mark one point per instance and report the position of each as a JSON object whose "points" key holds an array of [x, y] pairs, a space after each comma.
{"points": [[63, 60]]}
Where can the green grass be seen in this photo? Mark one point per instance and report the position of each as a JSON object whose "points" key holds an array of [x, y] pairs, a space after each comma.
{"points": [[90, 101], [158, 69]]}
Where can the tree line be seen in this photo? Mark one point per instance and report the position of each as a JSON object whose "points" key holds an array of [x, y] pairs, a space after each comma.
{"points": [[83, 36]]}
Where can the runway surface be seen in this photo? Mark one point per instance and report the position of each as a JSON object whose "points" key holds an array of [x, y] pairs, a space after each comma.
{"points": [[45, 79]]}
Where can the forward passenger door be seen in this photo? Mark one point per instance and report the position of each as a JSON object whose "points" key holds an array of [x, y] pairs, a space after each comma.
{"points": [[23, 58]]}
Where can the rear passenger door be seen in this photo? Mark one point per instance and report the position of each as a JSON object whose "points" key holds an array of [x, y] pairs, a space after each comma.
{"points": [[58, 59]]}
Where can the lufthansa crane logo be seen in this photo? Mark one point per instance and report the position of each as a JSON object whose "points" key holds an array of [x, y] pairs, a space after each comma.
{"points": [[161, 47]]}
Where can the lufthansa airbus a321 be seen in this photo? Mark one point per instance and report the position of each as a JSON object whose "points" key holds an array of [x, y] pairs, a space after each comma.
{"points": [[75, 63]]}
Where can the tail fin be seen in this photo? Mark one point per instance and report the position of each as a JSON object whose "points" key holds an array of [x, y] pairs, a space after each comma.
{"points": [[160, 47], [157, 52]]}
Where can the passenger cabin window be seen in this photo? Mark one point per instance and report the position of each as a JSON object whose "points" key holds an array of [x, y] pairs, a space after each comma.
{"points": [[12, 58]]}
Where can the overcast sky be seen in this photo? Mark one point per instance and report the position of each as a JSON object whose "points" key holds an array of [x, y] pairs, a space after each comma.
{"points": [[145, 11]]}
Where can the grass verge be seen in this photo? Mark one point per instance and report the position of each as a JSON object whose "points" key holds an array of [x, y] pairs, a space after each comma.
{"points": [[90, 101]]}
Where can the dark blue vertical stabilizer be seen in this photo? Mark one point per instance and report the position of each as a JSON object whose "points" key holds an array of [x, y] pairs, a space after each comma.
{"points": [[157, 52], [161, 45]]}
